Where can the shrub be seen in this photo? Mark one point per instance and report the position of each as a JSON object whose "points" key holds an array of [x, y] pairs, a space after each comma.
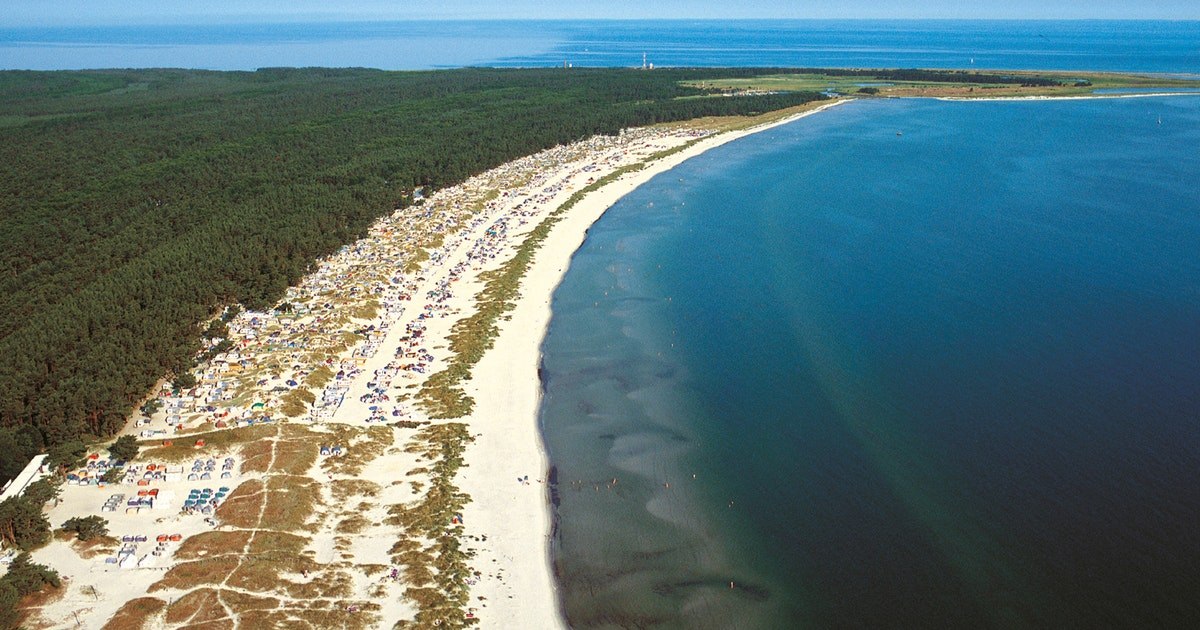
{"points": [[152, 406], [125, 448], [87, 527], [112, 475]]}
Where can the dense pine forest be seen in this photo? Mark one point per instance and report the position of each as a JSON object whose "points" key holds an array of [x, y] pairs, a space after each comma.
{"points": [[136, 204]]}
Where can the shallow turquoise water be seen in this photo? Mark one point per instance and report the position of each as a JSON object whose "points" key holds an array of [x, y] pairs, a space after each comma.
{"points": [[931, 364]]}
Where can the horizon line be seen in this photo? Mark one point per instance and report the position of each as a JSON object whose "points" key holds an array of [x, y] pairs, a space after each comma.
{"points": [[219, 21]]}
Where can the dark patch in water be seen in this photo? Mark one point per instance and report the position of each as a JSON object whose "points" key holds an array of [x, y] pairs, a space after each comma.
{"points": [[751, 592], [552, 485], [666, 373]]}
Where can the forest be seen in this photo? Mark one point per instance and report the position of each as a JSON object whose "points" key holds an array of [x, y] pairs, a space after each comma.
{"points": [[137, 204]]}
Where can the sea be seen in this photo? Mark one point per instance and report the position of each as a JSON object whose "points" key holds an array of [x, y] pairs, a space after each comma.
{"points": [[1132, 46], [899, 364]]}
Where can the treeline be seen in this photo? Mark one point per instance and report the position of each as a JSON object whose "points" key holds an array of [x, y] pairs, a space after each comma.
{"points": [[136, 204]]}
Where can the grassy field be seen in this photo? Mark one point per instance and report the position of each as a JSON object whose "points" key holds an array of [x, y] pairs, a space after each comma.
{"points": [[1068, 84]]}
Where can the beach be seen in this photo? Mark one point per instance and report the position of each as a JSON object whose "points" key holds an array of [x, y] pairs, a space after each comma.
{"points": [[511, 444], [311, 472]]}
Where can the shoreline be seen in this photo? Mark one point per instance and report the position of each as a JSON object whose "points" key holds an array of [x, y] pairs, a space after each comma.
{"points": [[1082, 97], [508, 373]]}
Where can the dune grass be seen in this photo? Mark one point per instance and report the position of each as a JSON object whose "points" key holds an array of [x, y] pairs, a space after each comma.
{"points": [[184, 448], [434, 562], [135, 614]]}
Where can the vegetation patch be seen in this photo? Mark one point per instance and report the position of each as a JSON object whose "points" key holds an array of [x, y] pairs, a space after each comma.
{"points": [[295, 451], [184, 447], [201, 606], [256, 456], [136, 614], [261, 572], [212, 544], [362, 447], [246, 602], [296, 402], [353, 525], [278, 542], [242, 507], [290, 503], [319, 377], [96, 547], [344, 489], [188, 575], [434, 562]]}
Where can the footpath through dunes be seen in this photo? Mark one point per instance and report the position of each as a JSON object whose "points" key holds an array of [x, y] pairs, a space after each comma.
{"points": [[344, 507]]}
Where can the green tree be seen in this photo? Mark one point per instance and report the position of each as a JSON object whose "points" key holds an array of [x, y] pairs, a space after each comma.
{"points": [[152, 406], [87, 527], [22, 523], [68, 455], [125, 448], [112, 475], [18, 445], [216, 329], [9, 600], [42, 491], [27, 577], [184, 380]]}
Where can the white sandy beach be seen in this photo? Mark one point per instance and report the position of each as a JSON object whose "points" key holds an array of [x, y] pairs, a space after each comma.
{"points": [[401, 339]]}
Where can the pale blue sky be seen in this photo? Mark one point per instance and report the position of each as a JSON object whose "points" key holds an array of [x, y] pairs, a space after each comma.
{"points": [[65, 12]]}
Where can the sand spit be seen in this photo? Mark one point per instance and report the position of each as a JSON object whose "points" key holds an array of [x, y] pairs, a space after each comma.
{"points": [[301, 483], [1087, 97]]}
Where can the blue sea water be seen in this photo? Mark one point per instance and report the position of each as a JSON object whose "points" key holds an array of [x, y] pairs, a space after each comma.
{"points": [[1139, 46], [899, 364]]}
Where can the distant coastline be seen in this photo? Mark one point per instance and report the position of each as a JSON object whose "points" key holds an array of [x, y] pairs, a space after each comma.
{"points": [[1147, 94]]}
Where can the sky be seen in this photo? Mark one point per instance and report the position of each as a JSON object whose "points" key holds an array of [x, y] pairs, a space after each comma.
{"points": [[94, 12]]}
